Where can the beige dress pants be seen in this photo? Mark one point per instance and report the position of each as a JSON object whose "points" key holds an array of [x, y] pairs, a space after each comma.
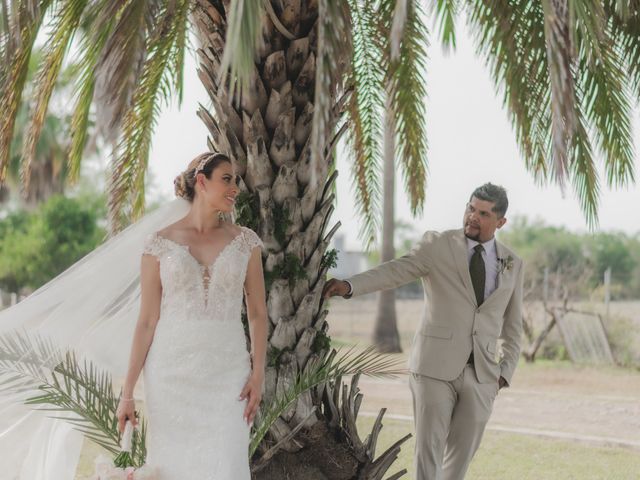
{"points": [[449, 421]]}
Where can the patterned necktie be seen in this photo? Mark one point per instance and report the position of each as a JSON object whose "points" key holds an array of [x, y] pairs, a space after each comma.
{"points": [[477, 271]]}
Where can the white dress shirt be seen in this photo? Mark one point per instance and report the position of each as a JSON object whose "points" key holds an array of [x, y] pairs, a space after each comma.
{"points": [[490, 257]]}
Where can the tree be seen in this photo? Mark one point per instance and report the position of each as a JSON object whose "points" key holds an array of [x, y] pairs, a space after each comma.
{"points": [[609, 250], [280, 128], [48, 171], [37, 246], [385, 333], [287, 79]]}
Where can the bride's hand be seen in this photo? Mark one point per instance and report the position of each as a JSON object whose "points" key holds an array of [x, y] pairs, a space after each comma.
{"points": [[252, 392], [126, 411]]}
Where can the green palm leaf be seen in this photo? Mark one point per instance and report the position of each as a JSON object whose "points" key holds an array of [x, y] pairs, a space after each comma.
{"points": [[607, 102], [446, 14], [334, 46], [66, 21], [155, 84], [242, 41], [511, 38], [318, 373], [364, 110], [27, 25], [92, 46], [406, 89], [560, 59], [35, 369]]}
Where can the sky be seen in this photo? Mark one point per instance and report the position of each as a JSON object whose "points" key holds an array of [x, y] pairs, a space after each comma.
{"points": [[470, 142]]}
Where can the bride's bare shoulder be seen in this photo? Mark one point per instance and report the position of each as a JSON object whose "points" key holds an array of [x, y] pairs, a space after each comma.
{"points": [[171, 231], [233, 229]]}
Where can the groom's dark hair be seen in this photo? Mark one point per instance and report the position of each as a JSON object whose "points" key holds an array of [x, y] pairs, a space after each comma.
{"points": [[493, 193]]}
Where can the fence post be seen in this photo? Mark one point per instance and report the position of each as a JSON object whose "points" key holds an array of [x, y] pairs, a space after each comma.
{"points": [[607, 290]]}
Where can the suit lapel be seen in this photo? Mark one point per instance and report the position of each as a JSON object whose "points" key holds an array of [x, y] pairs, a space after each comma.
{"points": [[458, 243], [500, 280], [500, 253]]}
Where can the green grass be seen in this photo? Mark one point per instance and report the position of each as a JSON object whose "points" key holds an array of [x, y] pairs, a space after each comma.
{"points": [[505, 456]]}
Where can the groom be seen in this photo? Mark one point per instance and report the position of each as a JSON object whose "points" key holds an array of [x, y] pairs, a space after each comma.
{"points": [[473, 290]]}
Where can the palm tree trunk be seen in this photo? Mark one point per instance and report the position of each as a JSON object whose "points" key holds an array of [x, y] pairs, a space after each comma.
{"points": [[266, 132], [385, 336]]}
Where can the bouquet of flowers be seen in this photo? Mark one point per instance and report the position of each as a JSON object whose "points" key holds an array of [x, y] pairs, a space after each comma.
{"points": [[121, 468]]}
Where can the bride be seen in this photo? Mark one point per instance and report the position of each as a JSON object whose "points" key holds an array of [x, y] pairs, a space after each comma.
{"points": [[189, 335], [202, 387]]}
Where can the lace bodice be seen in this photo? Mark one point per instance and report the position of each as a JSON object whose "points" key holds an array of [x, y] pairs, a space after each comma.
{"points": [[196, 291]]}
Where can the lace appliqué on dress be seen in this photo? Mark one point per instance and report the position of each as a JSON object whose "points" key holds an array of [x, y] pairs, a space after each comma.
{"points": [[250, 238], [154, 245]]}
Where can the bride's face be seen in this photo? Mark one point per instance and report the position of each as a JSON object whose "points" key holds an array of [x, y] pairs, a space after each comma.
{"points": [[219, 191]]}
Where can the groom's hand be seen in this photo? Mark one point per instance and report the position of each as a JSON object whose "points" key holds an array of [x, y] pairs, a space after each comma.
{"points": [[335, 287]]}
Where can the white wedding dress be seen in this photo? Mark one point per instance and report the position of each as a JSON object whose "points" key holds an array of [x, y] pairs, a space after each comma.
{"points": [[198, 364]]}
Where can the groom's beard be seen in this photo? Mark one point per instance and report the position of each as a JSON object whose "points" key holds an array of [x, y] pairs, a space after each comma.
{"points": [[474, 237]]}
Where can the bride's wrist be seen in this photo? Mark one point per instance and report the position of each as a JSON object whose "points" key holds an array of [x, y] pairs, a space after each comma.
{"points": [[126, 395]]}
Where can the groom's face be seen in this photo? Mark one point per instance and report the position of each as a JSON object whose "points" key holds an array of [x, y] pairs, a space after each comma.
{"points": [[480, 221]]}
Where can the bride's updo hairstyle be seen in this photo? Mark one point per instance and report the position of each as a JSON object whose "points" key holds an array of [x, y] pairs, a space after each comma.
{"points": [[205, 163]]}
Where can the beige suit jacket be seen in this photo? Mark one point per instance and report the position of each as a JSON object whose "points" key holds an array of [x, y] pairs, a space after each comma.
{"points": [[452, 323]]}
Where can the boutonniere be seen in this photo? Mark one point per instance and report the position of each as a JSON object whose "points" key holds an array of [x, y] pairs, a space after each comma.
{"points": [[505, 264]]}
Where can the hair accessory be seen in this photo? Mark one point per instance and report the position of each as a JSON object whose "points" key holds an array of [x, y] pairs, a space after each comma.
{"points": [[202, 164]]}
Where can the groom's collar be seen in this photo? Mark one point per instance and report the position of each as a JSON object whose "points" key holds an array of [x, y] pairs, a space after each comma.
{"points": [[489, 245]]}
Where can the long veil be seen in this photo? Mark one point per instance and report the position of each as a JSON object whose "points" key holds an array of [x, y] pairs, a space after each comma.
{"points": [[91, 308]]}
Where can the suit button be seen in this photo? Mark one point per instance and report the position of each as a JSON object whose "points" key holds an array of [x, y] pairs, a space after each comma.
{"points": [[475, 332]]}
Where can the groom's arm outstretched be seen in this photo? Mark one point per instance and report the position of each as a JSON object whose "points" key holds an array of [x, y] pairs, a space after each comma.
{"points": [[391, 274]]}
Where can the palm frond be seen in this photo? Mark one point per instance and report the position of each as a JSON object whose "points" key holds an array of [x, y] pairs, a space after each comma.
{"points": [[126, 186], [561, 63], [560, 55], [608, 108], [446, 12], [511, 37], [121, 60], [28, 24], [242, 42], [76, 391], [66, 21], [92, 46], [8, 36], [177, 67], [334, 46], [335, 366], [584, 173], [625, 31], [589, 23], [406, 88], [364, 110]]}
